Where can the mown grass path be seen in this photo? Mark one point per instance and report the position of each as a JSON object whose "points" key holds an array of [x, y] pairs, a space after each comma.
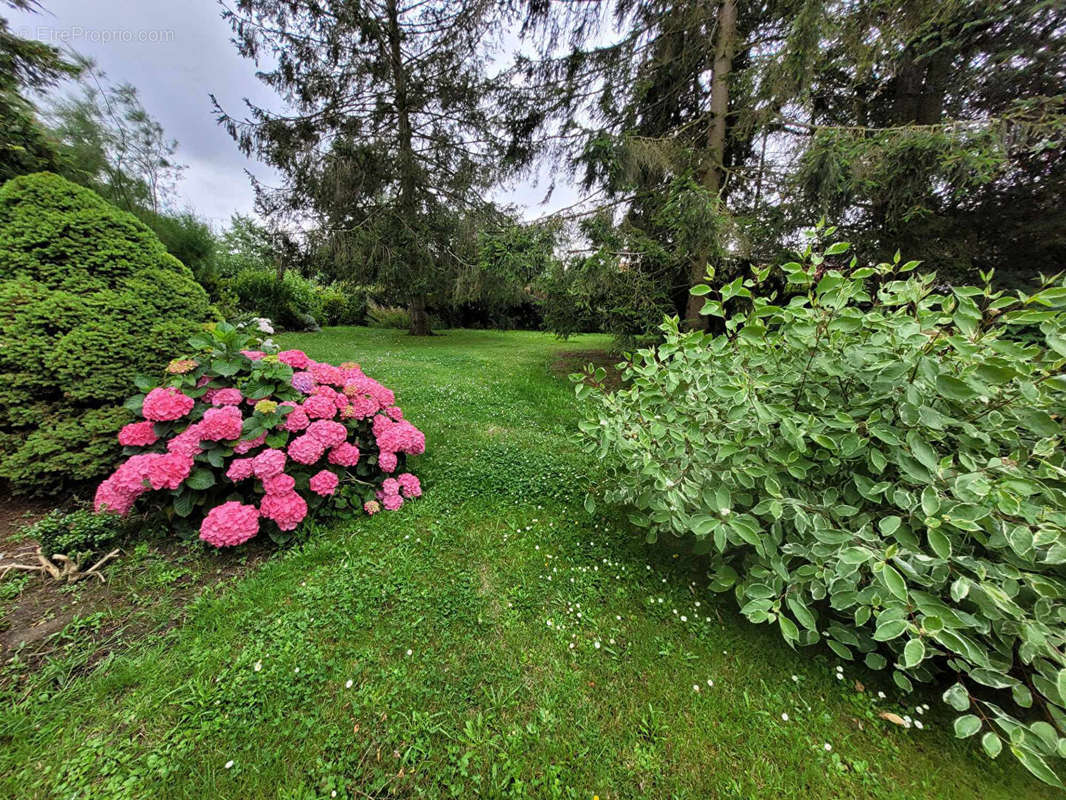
{"points": [[490, 640]]}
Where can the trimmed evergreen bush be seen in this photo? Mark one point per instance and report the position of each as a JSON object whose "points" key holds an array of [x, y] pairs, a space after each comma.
{"points": [[89, 297]]}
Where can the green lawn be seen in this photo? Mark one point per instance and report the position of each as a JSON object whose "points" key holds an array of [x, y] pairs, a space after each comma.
{"points": [[488, 640]]}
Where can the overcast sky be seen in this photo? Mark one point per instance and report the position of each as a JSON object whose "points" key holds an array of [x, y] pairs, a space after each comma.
{"points": [[177, 52]]}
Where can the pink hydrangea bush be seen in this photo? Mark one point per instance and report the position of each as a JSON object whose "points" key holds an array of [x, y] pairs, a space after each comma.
{"points": [[244, 439]]}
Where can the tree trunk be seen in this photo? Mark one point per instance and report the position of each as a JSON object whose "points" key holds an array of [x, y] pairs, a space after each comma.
{"points": [[714, 165], [407, 202], [419, 317]]}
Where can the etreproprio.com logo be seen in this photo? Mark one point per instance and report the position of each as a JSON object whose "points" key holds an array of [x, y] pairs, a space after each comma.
{"points": [[76, 33]]}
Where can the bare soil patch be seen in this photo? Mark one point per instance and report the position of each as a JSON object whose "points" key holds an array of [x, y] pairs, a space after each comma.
{"points": [[570, 361]]}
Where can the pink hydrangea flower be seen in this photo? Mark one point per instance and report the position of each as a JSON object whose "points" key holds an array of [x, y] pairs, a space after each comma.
{"points": [[363, 405], [398, 437], [240, 469], [395, 412], [113, 498], [227, 397], [392, 502], [279, 484], [296, 420], [254, 355], [390, 486], [138, 434], [327, 373], [230, 524], [269, 463], [287, 510], [387, 461], [371, 507], [320, 407], [187, 442], [296, 359], [324, 483], [248, 445], [327, 432], [410, 485], [165, 404], [344, 455], [132, 475], [169, 470], [306, 449], [221, 424]]}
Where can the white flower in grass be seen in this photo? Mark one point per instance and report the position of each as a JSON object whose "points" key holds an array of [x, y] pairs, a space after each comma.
{"points": [[229, 763], [918, 724], [710, 682], [684, 618], [409, 652], [596, 645], [695, 687], [348, 683], [257, 666], [881, 695], [827, 747], [784, 717]]}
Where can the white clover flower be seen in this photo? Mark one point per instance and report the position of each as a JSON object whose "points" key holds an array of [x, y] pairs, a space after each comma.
{"points": [[409, 652], [827, 747], [684, 618], [348, 684], [596, 645], [784, 717], [695, 687], [257, 666], [229, 763], [710, 682]]}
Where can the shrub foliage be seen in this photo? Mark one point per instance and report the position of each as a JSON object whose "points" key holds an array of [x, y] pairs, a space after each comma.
{"points": [[89, 297], [869, 459]]}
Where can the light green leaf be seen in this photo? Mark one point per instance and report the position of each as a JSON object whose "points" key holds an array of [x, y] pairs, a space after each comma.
{"points": [[967, 725], [913, 653], [939, 542], [957, 697], [992, 744], [894, 581]]}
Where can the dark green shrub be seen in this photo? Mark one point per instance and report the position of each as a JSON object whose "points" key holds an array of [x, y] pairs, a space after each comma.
{"points": [[342, 303], [288, 302], [89, 297], [387, 316], [78, 535], [871, 462], [190, 240]]}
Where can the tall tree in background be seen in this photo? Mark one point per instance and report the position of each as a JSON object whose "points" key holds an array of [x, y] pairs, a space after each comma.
{"points": [[713, 132], [656, 106], [390, 131], [111, 144], [26, 66], [938, 127]]}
